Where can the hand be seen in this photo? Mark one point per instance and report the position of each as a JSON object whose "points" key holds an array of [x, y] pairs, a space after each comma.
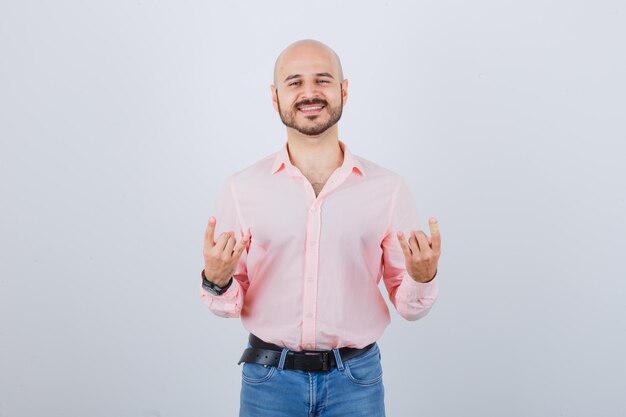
{"points": [[221, 257], [422, 254]]}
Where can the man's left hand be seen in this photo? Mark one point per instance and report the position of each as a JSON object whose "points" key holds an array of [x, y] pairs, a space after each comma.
{"points": [[421, 252]]}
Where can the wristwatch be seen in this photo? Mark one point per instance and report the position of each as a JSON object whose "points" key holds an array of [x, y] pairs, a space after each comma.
{"points": [[214, 288]]}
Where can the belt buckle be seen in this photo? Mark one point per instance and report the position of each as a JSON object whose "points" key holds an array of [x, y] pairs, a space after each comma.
{"points": [[323, 358], [325, 361]]}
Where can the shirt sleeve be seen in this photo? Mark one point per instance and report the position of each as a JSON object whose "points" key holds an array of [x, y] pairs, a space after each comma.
{"points": [[228, 218], [412, 299]]}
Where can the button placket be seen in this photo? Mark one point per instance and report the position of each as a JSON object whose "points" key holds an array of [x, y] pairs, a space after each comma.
{"points": [[310, 274]]}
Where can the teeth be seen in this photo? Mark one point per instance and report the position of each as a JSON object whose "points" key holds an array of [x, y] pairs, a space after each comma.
{"points": [[310, 108]]}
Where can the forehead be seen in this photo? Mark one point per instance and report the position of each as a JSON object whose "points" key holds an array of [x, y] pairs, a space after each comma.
{"points": [[306, 61]]}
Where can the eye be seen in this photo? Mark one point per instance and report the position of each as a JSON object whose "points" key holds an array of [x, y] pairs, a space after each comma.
{"points": [[323, 81], [294, 83]]}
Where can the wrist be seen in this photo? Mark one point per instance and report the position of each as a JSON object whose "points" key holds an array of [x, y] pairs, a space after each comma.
{"points": [[427, 281], [219, 282]]}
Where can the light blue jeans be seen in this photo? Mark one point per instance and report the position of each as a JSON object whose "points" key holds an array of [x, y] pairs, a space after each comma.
{"points": [[353, 389]]}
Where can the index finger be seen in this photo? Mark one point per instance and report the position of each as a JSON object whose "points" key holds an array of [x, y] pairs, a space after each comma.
{"points": [[433, 225], [209, 234]]}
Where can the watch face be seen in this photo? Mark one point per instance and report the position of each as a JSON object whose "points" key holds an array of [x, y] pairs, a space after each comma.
{"points": [[210, 287]]}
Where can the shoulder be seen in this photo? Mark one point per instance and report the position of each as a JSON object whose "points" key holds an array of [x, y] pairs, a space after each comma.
{"points": [[379, 173]]}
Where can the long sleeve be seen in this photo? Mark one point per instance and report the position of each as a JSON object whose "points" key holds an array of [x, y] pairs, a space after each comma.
{"points": [[228, 218], [412, 299]]}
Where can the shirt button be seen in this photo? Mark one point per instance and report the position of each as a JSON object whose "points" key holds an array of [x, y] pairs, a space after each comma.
{"points": [[310, 279], [312, 243], [313, 208], [309, 315]]}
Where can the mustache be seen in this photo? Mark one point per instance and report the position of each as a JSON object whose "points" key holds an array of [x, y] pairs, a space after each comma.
{"points": [[311, 101]]}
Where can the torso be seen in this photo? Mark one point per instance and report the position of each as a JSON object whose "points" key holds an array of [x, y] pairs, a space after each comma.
{"points": [[317, 187], [317, 180]]}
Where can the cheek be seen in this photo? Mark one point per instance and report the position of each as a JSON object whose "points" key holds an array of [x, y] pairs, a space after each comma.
{"points": [[333, 97], [285, 101]]}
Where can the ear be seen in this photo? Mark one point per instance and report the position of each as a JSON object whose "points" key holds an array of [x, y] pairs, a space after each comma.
{"points": [[344, 92], [274, 97]]}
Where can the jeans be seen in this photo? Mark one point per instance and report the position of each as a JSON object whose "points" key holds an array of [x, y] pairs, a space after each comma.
{"points": [[354, 388]]}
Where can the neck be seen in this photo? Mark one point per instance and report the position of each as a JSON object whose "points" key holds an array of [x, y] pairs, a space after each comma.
{"points": [[315, 153]]}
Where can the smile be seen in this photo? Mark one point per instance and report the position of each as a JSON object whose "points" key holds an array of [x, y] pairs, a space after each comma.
{"points": [[308, 110]]}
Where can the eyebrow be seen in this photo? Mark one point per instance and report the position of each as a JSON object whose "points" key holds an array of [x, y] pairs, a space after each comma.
{"points": [[319, 74]]}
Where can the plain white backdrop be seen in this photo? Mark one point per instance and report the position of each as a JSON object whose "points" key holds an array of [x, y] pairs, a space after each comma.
{"points": [[120, 119]]}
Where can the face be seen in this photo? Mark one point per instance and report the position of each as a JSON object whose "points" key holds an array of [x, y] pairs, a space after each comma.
{"points": [[308, 93]]}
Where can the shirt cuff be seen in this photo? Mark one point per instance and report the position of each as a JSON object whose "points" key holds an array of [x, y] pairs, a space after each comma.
{"points": [[229, 294], [420, 289]]}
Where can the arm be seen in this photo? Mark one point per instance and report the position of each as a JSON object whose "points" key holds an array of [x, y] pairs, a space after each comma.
{"points": [[412, 299], [226, 257]]}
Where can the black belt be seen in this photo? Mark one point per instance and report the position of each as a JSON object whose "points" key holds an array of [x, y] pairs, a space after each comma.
{"points": [[306, 360]]}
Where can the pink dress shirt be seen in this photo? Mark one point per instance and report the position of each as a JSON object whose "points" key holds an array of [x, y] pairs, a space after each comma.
{"points": [[309, 278]]}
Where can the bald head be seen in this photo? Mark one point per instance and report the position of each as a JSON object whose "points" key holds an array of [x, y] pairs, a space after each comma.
{"points": [[302, 51]]}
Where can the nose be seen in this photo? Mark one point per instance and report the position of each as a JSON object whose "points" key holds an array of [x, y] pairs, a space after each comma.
{"points": [[309, 90]]}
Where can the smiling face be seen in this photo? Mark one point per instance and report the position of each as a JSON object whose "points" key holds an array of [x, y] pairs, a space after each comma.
{"points": [[309, 91]]}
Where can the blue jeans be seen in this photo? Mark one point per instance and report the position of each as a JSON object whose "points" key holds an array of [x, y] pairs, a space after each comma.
{"points": [[353, 389]]}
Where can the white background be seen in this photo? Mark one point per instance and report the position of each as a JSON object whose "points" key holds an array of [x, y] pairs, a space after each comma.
{"points": [[119, 120]]}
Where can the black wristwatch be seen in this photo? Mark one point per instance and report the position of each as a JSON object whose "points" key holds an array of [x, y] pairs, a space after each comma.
{"points": [[214, 288]]}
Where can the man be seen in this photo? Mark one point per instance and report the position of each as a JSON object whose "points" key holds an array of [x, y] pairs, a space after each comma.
{"points": [[319, 227]]}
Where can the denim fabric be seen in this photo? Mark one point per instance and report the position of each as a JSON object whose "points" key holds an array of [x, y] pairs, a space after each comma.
{"points": [[354, 388]]}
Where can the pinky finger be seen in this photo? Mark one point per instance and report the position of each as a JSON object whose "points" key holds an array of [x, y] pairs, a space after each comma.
{"points": [[241, 245], [404, 245]]}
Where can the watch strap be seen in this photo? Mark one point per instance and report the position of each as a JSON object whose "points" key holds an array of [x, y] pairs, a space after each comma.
{"points": [[214, 288]]}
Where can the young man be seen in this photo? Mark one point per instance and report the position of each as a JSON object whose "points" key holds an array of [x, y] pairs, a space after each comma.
{"points": [[319, 227]]}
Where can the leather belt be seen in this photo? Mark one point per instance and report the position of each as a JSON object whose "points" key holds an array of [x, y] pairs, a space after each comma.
{"points": [[268, 354]]}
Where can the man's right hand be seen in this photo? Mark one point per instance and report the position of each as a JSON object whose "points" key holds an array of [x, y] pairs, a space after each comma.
{"points": [[221, 256]]}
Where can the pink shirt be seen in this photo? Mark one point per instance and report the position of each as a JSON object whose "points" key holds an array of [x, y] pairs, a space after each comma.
{"points": [[309, 277]]}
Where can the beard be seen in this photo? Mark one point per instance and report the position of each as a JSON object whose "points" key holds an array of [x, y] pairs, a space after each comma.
{"points": [[288, 117]]}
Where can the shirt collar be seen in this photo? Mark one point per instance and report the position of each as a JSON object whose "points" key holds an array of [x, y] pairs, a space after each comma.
{"points": [[350, 163]]}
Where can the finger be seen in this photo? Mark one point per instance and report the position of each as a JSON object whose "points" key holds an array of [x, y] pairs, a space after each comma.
{"points": [[433, 224], [404, 245], [415, 247], [422, 239], [209, 239], [230, 244], [222, 240], [241, 245]]}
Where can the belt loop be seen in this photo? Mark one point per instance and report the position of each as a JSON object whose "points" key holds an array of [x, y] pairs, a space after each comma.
{"points": [[338, 359], [283, 355]]}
